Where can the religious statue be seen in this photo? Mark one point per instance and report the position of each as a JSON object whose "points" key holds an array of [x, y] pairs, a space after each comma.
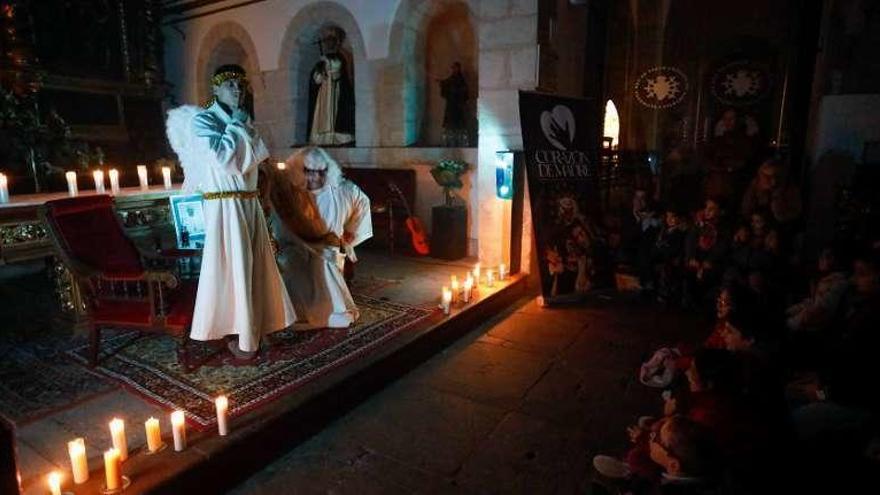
{"points": [[331, 96], [455, 91]]}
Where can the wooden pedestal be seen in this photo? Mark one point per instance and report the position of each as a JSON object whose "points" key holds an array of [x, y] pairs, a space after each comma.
{"points": [[449, 232]]}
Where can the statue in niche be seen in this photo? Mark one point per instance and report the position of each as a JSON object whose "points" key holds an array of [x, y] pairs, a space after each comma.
{"points": [[331, 96], [455, 91]]}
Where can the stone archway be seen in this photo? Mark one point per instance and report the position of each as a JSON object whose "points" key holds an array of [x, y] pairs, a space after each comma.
{"points": [[298, 55], [408, 52], [227, 43]]}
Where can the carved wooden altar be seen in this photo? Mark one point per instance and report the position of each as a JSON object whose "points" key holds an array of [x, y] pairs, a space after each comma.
{"points": [[23, 237]]}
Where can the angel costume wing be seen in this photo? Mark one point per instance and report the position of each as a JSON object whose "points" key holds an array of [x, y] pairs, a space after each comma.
{"points": [[179, 128]]}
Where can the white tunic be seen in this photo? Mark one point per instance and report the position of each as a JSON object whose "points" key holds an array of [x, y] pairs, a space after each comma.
{"points": [[240, 288], [313, 272]]}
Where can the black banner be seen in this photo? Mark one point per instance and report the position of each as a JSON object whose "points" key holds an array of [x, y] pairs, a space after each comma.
{"points": [[560, 155]]}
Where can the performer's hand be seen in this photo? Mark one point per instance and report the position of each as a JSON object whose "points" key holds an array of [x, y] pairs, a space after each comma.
{"points": [[347, 237], [240, 115]]}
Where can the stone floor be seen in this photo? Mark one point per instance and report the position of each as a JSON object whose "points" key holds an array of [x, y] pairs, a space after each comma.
{"points": [[42, 442], [519, 405]]}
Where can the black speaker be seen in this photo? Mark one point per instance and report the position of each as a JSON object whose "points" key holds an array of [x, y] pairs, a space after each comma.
{"points": [[449, 232]]}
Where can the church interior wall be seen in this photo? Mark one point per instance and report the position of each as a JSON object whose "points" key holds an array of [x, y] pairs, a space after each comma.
{"points": [[393, 95]]}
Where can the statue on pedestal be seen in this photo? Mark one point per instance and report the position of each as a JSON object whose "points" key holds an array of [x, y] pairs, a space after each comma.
{"points": [[455, 91], [331, 95]]}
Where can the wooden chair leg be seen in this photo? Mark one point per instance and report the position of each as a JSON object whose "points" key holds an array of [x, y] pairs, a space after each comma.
{"points": [[95, 342]]}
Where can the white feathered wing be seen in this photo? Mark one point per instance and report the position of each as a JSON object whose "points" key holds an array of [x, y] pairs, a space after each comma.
{"points": [[179, 128]]}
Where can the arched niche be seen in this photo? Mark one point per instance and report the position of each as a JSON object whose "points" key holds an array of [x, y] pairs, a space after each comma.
{"points": [[449, 39], [299, 54], [409, 82], [227, 43]]}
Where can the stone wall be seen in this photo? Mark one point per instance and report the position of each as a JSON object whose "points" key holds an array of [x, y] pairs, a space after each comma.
{"points": [[387, 39]]}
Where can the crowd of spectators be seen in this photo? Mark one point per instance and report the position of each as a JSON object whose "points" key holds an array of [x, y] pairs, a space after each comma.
{"points": [[780, 391]]}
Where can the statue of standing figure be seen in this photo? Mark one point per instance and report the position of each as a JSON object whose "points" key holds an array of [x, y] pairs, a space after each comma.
{"points": [[455, 91], [331, 96]]}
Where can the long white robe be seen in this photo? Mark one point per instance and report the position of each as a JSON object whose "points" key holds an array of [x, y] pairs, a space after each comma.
{"points": [[313, 271], [240, 288]]}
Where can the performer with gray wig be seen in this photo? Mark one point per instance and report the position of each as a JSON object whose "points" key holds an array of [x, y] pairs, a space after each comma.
{"points": [[318, 218]]}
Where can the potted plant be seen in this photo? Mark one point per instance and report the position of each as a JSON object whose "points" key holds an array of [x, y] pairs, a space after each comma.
{"points": [[447, 173], [449, 221]]}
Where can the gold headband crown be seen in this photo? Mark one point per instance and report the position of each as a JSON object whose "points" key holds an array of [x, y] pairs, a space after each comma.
{"points": [[222, 77]]}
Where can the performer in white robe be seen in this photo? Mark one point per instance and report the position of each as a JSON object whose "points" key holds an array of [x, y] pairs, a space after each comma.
{"points": [[318, 219], [240, 288]]}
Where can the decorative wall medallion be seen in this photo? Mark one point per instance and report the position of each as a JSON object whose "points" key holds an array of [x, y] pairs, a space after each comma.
{"points": [[740, 83], [661, 87]]}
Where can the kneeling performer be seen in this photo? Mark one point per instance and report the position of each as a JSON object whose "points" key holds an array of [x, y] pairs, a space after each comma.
{"points": [[318, 219]]}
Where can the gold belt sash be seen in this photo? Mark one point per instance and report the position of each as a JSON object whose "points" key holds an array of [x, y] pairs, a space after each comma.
{"points": [[231, 194]]}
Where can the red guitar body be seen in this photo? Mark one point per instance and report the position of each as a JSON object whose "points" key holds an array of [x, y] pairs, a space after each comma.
{"points": [[417, 234], [413, 224]]}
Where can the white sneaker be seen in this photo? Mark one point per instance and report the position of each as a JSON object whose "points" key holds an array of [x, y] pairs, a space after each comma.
{"points": [[611, 467]]}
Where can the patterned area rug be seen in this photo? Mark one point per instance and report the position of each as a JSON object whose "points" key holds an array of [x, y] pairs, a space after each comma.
{"points": [[148, 365]]}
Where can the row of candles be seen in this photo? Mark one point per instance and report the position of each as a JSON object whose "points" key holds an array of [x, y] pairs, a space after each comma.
{"points": [[98, 176], [454, 292], [118, 453]]}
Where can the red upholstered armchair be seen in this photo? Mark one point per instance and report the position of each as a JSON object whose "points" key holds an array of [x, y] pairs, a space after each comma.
{"points": [[114, 286]]}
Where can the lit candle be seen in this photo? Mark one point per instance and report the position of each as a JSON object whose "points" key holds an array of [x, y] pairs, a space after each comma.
{"points": [[143, 178], [99, 181], [446, 300], [477, 273], [490, 278], [113, 469], [178, 428], [468, 287], [114, 181], [154, 435], [55, 483], [281, 166], [4, 189], [453, 286], [222, 404], [79, 464], [117, 433], [166, 176], [71, 183], [502, 271]]}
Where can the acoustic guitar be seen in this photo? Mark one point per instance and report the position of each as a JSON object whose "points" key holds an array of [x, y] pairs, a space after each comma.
{"points": [[413, 224]]}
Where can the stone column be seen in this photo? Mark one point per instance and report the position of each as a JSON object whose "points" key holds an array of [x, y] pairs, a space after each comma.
{"points": [[508, 58]]}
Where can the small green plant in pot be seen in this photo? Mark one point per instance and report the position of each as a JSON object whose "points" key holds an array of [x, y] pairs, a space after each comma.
{"points": [[447, 174]]}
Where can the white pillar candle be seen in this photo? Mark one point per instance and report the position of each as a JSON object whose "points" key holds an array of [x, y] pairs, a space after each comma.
{"points": [[143, 178], [178, 429], [166, 177], [79, 463], [99, 181], [114, 181], [54, 481], [71, 183], [113, 469], [4, 189], [222, 405], [446, 300], [477, 274], [154, 435], [490, 278], [117, 434], [453, 287], [502, 271], [281, 166], [468, 287]]}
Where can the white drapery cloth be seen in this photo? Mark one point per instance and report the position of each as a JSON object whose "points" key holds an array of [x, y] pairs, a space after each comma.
{"points": [[240, 288], [313, 271]]}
